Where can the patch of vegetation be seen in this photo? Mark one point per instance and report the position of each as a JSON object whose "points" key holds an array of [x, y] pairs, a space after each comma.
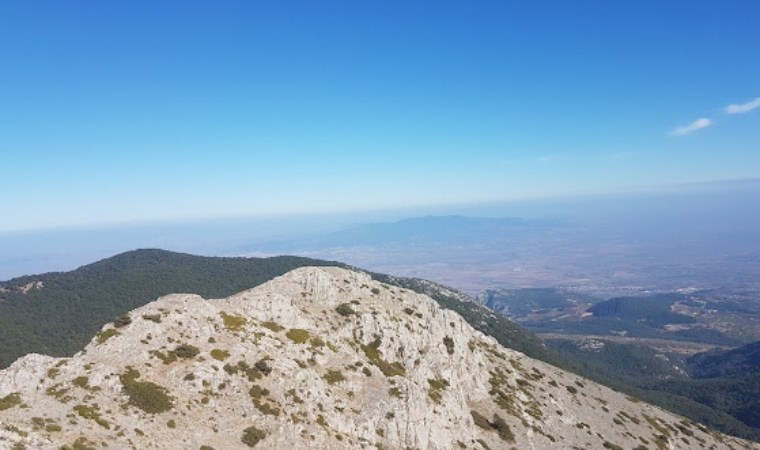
{"points": [[334, 376], [257, 391], [233, 322], [502, 428], [437, 386], [92, 413], [260, 369], [10, 401], [122, 321], [81, 443], [186, 351], [345, 309], [373, 353], [148, 396], [298, 335], [252, 436], [449, 343], [262, 366], [274, 326], [107, 334], [152, 317], [58, 392], [166, 358], [480, 420], [259, 396], [219, 354], [80, 382]]}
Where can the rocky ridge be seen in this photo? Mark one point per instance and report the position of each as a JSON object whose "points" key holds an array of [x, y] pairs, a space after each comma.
{"points": [[318, 358]]}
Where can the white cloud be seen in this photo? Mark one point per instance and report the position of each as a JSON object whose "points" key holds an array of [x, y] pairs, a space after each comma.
{"points": [[692, 127], [741, 108]]}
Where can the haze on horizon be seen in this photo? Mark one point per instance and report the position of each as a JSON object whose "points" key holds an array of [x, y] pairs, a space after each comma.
{"points": [[143, 111]]}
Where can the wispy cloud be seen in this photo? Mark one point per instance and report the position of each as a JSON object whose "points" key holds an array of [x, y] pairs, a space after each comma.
{"points": [[692, 127], [741, 108]]}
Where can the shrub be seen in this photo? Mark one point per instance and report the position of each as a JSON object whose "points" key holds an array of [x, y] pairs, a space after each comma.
{"points": [[437, 386], [257, 391], [263, 366], [449, 343], [502, 427], [274, 326], [219, 355], [344, 309], [297, 335], [233, 322], [148, 396], [152, 317], [480, 420], [252, 436], [105, 335], [122, 321], [9, 401], [92, 413], [372, 351], [186, 351], [80, 382], [334, 376]]}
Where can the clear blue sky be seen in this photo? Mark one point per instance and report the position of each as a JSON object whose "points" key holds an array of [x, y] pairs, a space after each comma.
{"points": [[126, 110]]}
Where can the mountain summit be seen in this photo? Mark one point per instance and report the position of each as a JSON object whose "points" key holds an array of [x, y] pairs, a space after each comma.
{"points": [[321, 357]]}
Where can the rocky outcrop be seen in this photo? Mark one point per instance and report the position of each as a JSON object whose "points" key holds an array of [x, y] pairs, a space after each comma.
{"points": [[318, 358]]}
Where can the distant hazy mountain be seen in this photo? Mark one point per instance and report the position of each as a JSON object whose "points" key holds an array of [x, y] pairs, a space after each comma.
{"points": [[441, 230]]}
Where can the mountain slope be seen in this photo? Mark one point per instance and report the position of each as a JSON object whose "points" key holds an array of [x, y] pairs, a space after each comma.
{"points": [[317, 358], [57, 313], [728, 362]]}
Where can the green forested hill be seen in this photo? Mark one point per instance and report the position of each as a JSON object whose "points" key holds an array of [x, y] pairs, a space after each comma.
{"points": [[727, 362], [59, 318]]}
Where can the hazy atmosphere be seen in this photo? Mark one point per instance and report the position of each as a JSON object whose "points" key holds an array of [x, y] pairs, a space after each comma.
{"points": [[137, 111]]}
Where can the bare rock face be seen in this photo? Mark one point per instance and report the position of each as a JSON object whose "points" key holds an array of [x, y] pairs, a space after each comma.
{"points": [[321, 358]]}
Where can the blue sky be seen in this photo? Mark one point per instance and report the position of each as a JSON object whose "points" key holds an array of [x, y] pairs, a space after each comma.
{"points": [[129, 111]]}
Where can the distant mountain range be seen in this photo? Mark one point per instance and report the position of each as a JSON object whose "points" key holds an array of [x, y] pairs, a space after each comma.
{"points": [[428, 230]]}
